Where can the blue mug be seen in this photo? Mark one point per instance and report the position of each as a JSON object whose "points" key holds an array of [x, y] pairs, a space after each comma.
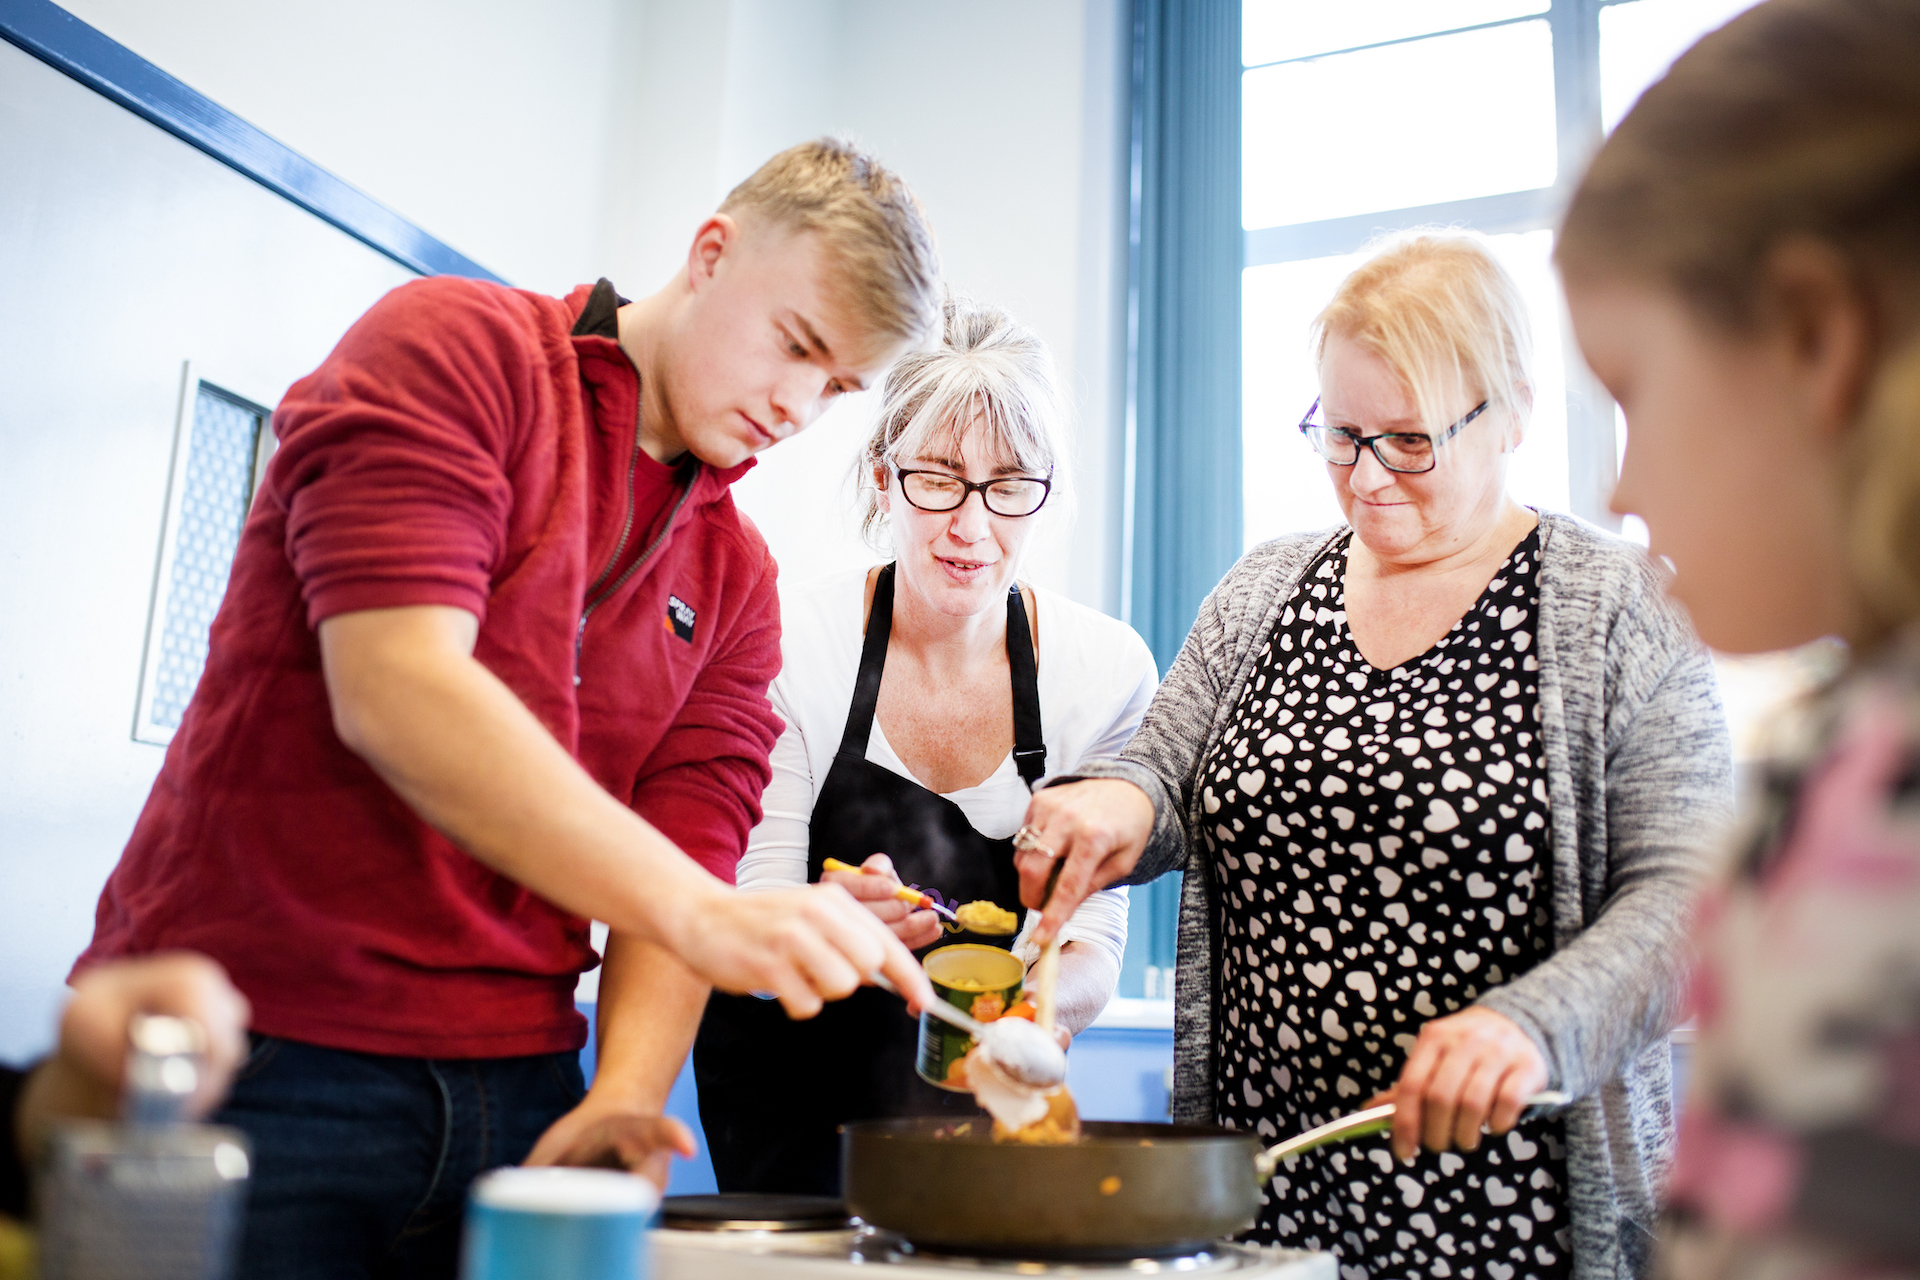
{"points": [[568, 1224]]}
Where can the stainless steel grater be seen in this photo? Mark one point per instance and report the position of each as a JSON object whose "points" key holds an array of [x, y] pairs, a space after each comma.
{"points": [[151, 1197]]}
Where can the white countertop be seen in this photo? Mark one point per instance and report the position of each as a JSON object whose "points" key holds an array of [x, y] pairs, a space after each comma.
{"points": [[1128, 1013], [695, 1255]]}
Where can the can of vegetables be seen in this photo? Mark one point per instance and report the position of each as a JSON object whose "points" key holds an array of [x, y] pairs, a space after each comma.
{"points": [[978, 980]]}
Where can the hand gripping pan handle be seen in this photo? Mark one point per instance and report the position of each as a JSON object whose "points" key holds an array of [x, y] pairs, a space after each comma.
{"points": [[1372, 1120]]}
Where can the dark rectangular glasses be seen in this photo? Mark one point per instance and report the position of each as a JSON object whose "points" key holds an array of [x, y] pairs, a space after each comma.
{"points": [[1408, 452]]}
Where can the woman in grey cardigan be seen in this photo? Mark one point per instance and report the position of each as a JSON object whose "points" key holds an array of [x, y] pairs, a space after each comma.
{"points": [[1436, 778]]}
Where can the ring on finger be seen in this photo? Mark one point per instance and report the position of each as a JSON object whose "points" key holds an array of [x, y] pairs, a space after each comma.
{"points": [[1027, 840]]}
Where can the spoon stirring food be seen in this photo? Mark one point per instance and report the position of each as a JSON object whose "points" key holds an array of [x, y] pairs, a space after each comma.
{"points": [[1046, 971]]}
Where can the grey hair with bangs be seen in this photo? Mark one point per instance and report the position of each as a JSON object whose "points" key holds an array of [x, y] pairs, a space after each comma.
{"points": [[987, 367]]}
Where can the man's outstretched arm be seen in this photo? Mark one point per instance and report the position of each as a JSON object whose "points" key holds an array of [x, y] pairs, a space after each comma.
{"points": [[465, 754]]}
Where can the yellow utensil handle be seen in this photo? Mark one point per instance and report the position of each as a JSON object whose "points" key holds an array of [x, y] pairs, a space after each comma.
{"points": [[911, 896]]}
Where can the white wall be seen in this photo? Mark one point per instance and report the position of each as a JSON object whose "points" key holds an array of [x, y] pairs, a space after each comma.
{"points": [[125, 253], [558, 142], [487, 122], [1008, 120]]}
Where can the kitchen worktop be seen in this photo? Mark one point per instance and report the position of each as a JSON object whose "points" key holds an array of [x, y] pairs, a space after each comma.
{"points": [[822, 1255]]}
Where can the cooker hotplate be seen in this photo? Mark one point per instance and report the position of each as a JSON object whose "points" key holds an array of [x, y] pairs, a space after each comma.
{"points": [[683, 1254]]}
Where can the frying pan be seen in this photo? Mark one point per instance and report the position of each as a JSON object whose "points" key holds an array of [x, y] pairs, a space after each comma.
{"points": [[1125, 1190]]}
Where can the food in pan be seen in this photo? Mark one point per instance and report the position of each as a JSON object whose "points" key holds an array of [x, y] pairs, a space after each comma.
{"points": [[1058, 1125], [1022, 1113], [986, 917]]}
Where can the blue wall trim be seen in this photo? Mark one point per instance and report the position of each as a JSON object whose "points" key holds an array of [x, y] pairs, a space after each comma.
{"points": [[1183, 440], [1187, 248], [61, 40]]}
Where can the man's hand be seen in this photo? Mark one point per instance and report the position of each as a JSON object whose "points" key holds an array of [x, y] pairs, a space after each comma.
{"points": [[1468, 1069], [84, 1076], [649, 1012], [1100, 826], [607, 1135], [873, 886], [805, 946]]}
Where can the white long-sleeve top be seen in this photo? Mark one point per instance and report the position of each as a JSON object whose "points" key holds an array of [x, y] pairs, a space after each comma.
{"points": [[1095, 677]]}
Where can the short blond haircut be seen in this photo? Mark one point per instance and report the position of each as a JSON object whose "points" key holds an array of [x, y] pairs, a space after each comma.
{"points": [[988, 367], [1799, 118], [1445, 316], [886, 268]]}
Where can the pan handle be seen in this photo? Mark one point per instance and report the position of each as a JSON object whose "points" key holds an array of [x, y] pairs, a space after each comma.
{"points": [[1372, 1120]]}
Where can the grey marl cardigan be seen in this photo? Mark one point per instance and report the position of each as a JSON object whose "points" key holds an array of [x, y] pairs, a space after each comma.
{"points": [[1639, 776]]}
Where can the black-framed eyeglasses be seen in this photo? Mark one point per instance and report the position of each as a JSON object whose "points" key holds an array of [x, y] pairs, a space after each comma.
{"points": [[1408, 452], [942, 491]]}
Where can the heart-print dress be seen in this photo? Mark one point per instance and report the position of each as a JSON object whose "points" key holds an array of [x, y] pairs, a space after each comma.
{"points": [[1379, 842]]}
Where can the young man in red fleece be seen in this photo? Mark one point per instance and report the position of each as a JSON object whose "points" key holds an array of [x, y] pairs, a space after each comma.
{"points": [[492, 662]]}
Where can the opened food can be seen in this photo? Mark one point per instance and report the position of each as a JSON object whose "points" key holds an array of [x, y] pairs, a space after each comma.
{"points": [[978, 980]]}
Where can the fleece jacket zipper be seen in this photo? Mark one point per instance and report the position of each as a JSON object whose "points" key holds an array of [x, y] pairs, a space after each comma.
{"points": [[626, 531]]}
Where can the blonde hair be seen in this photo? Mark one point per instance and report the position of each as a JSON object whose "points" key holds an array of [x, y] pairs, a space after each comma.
{"points": [[1444, 315], [888, 269], [988, 366], [1800, 118]]}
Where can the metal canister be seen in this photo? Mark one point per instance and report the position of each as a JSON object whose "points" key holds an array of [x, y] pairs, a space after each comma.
{"points": [[978, 980]]}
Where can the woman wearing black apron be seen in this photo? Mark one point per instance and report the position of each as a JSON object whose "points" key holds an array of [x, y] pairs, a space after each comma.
{"points": [[919, 740]]}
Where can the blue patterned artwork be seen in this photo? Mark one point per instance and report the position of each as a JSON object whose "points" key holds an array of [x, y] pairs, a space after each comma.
{"points": [[216, 487]]}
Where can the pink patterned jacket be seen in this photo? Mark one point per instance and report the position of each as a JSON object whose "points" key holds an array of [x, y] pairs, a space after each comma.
{"points": [[1800, 1146]]}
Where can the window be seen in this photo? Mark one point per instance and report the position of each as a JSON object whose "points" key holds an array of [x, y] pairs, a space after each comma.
{"points": [[1379, 115], [1375, 116], [1366, 117]]}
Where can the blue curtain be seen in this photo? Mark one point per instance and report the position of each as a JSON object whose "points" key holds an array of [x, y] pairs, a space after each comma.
{"points": [[1183, 436]]}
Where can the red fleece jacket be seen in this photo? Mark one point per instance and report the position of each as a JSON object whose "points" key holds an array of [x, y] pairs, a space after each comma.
{"points": [[461, 446]]}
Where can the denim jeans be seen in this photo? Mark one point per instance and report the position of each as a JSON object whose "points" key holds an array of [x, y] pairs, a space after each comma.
{"points": [[361, 1162]]}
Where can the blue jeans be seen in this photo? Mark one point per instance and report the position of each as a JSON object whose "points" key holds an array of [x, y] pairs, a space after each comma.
{"points": [[361, 1162]]}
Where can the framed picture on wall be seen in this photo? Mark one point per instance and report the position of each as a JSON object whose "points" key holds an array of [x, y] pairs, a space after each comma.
{"points": [[221, 443]]}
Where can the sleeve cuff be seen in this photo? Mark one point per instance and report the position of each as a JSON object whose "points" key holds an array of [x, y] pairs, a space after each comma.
{"points": [[356, 597], [1500, 1000], [1167, 846]]}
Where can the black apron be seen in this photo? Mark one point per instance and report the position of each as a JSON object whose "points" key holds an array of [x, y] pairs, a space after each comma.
{"points": [[774, 1092]]}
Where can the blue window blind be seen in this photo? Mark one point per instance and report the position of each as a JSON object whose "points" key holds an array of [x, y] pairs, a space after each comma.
{"points": [[1183, 405]]}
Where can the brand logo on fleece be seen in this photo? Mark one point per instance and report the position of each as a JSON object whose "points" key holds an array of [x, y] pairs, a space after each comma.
{"points": [[679, 619]]}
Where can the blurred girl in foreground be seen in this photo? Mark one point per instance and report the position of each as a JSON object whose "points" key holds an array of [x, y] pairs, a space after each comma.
{"points": [[1743, 267]]}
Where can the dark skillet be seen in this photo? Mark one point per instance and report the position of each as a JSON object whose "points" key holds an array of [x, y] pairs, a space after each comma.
{"points": [[1126, 1190]]}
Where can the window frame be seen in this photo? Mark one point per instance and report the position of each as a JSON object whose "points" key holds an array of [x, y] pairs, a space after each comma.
{"points": [[1592, 452]]}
